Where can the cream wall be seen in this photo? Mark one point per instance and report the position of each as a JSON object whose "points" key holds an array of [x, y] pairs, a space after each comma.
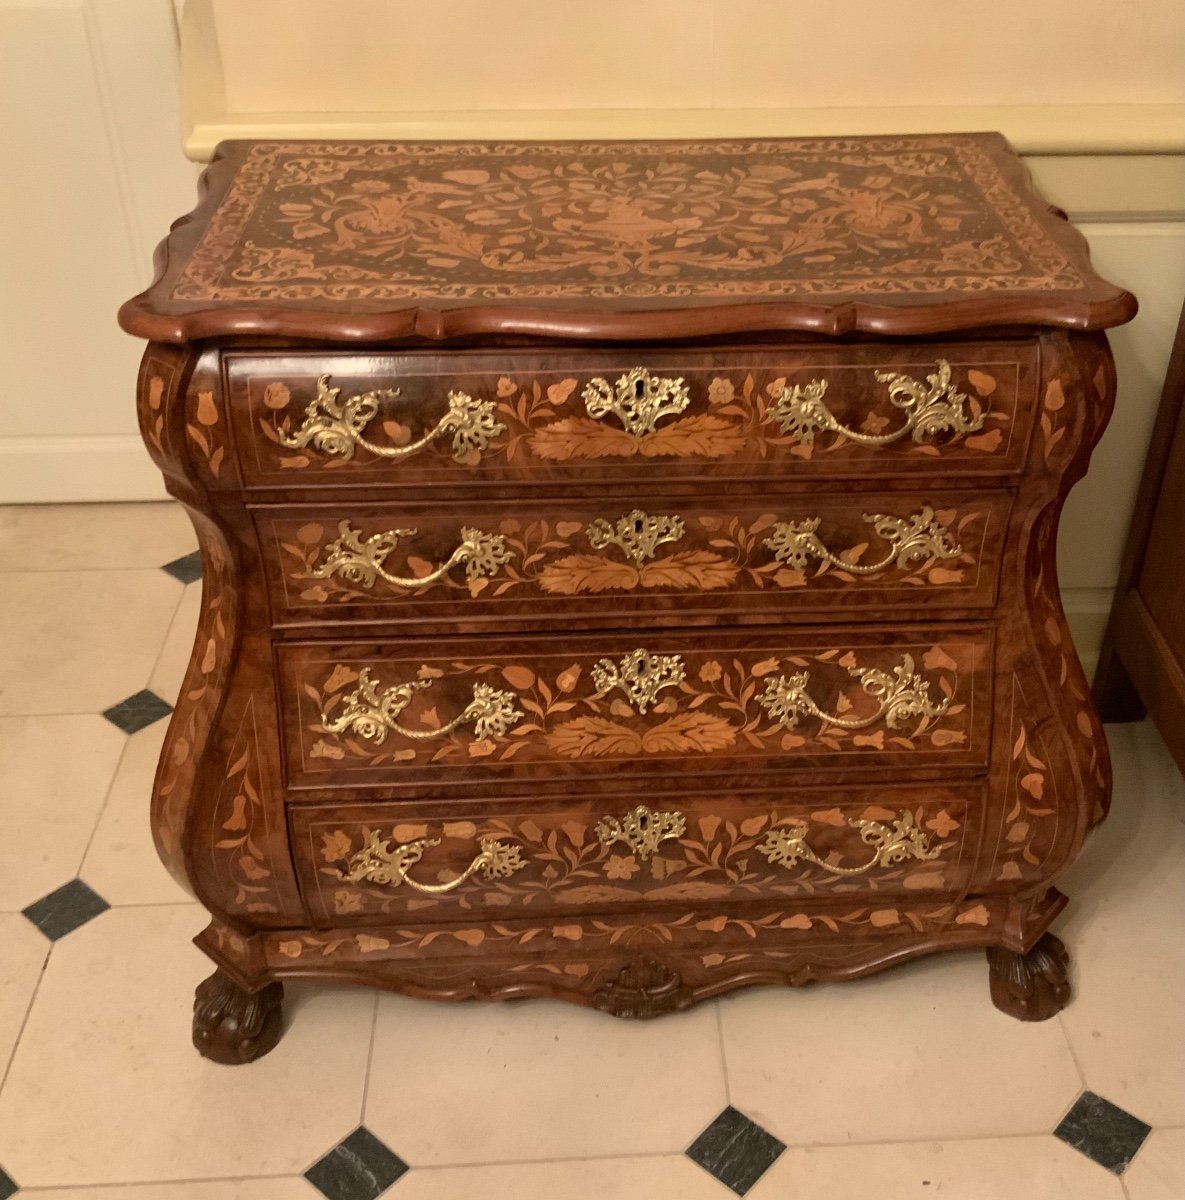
{"points": [[93, 174], [97, 98]]}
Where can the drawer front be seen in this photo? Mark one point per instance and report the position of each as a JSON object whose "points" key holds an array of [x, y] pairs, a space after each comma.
{"points": [[478, 711], [846, 412], [669, 559], [360, 862]]}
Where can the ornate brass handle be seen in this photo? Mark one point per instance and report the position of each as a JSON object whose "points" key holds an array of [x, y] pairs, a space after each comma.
{"points": [[641, 830], [638, 535], [914, 539], [336, 428], [638, 399], [361, 562], [929, 410], [371, 713], [640, 675], [786, 845], [376, 862], [902, 695]]}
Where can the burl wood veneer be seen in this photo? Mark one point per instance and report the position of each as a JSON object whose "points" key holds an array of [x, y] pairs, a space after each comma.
{"points": [[629, 568]]}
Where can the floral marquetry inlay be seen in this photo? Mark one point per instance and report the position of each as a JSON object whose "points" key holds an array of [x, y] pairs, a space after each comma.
{"points": [[742, 848], [693, 552], [645, 705], [759, 219]]}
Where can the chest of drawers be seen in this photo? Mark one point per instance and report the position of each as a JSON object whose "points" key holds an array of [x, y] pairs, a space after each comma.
{"points": [[628, 568]]}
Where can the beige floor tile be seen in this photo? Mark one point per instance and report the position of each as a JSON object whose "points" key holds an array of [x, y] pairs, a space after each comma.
{"points": [[917, 1052], [1126, 1022], [1030, 1168], [455, 1084], [1158, 1170], [169, 671], [106, 1088], [87, 537], [665, 1177], [80, 641], [122, 864], [23, 952], [293, 1188], [54, 775]]}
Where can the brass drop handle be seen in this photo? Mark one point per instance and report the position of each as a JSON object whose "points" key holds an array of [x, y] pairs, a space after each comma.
{"points": [[786, 844], [914, 539], [362, 562], [336, 427], [376, 862], [931, 408], [372, 714], [904, 694], [638, 400]]}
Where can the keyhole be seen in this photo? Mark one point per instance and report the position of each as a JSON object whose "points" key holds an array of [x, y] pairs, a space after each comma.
{"points": [[639, 389]]}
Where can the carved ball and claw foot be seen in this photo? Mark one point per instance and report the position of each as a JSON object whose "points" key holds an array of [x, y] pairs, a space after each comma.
{"points": [[233, 1026], [1033, 986]]}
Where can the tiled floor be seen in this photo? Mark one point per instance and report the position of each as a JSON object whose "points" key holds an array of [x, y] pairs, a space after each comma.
{"points": [[906, 1085]]}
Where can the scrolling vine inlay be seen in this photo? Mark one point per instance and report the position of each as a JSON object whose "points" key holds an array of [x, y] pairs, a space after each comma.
{"points": [[472, 221]]}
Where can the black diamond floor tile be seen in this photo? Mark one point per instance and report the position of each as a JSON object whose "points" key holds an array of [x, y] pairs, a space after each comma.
{"points": [[1102, 1131], [64, 910], [7, 1187], [735, 1150], [187, 568], [360, 1168], [138, 712]]}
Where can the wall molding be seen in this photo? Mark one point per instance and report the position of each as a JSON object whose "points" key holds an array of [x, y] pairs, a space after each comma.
{"points": [[58, 470], [218, 103]]}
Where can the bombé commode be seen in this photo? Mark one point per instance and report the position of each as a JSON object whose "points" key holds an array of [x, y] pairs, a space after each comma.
{"points": [[628, 568]]}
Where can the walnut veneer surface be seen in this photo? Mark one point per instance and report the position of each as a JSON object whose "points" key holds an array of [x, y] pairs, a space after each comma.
{"points": [[629, 568]]}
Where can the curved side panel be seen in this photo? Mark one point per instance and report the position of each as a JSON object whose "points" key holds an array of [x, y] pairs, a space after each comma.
{"points": [[216, 808], [1050, 762]]}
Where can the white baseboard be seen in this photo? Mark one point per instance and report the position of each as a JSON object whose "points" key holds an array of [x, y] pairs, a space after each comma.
{"points": [[59, 470], [1087, 610]]}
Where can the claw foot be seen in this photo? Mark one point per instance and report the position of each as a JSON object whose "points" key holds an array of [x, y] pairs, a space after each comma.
{"points": [[1033, 986], [232, 1026]]}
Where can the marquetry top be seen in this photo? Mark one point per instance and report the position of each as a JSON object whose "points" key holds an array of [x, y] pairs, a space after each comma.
{"points": [[356, 241]]}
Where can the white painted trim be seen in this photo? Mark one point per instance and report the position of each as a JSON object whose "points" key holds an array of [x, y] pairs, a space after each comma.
{"points": [[1087, 610], [1050, 129], [57, 470]]}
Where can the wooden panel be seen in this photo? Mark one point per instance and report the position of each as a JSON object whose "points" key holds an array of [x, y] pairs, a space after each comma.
{"points": [[1160, 578], [477, 712], [694, 415], [596, 562], [359, 863]]}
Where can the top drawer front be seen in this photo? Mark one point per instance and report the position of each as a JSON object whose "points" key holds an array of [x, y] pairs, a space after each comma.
{"points": [[595, 418]]}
